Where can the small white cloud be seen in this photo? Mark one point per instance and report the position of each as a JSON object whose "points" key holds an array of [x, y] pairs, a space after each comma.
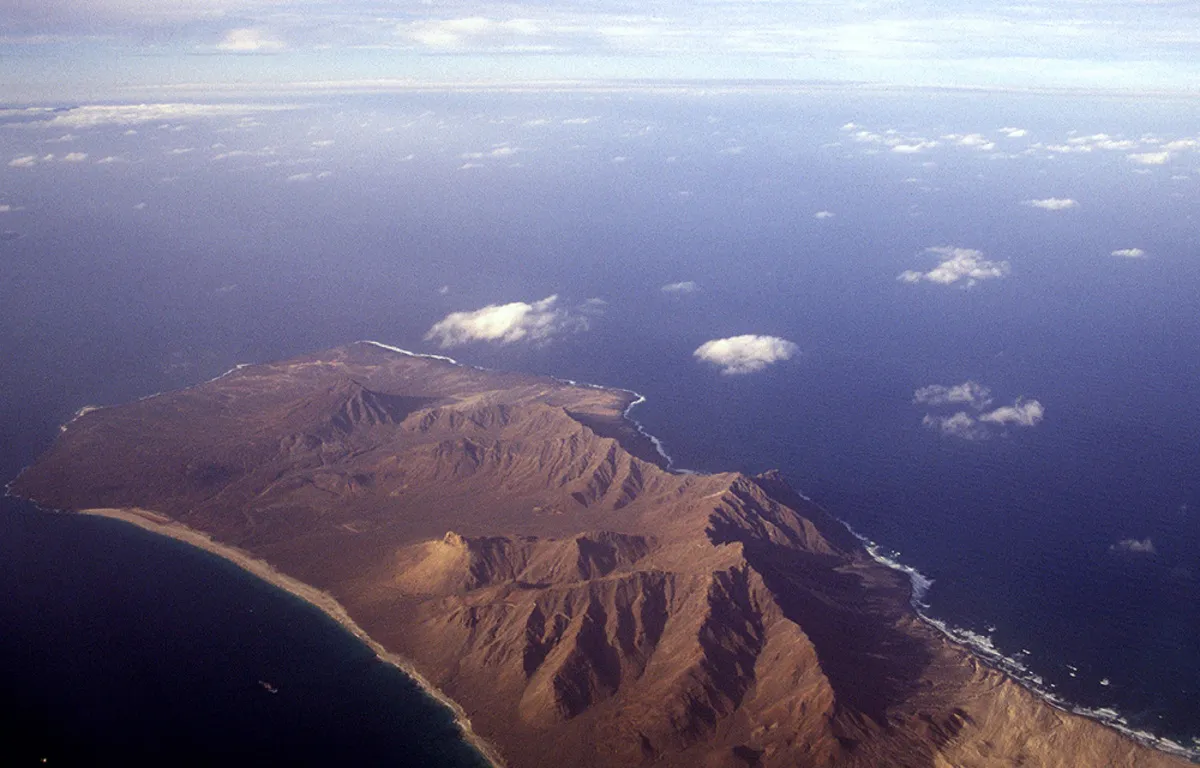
{"points": [[1130, 253], [969, 392], [914, 148], [249, 40], [181, 151], [1053, 203], [139, 207], [506, 323], [324, 143], [620, 159], [594, 305], [961, 425], [6, 208], [1014, 133], [75, 157], [687, 286], [1134, 546], [1150, 158], [299, 177], [745, 354], [966, 264], [24, 161], [445, 289], [1022, 413], [578, 120], [110, 159], [824, 215]]}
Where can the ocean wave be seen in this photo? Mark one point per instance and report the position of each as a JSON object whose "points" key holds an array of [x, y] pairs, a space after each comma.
{"points": [[1015, 667]]}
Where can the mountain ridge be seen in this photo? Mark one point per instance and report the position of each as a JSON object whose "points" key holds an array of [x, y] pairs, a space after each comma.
{"points": [[501, 532]]}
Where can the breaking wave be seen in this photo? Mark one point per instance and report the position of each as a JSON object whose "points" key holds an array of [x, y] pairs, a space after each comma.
{"points": [[1014, 666]]}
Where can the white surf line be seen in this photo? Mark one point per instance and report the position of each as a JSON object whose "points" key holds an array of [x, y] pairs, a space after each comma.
{"points": [[983, 648], [639, 398], [85, 410]]}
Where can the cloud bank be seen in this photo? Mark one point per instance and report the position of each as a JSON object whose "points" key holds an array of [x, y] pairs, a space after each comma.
{"points": [[506, 323], [958, 264], [745, 354]]}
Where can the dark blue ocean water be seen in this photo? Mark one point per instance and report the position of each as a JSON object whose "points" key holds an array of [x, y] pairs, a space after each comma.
{"points": [[611, 196], [119, 646]]}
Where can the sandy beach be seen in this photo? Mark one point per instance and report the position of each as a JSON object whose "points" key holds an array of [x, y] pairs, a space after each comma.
{"points": [[156, 523]]}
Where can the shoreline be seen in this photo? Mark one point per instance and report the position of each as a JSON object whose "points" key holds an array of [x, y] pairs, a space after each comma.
{"points": [[161, 525], [980, 647], [976, 646]]}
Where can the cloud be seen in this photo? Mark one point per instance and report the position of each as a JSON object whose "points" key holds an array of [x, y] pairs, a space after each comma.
{"points": [[1022, 413], [969, 392], [687, 286], [745, 354], [506, 323], [824, 215], [1150, 158], [501, 150], [912, 149], [594, 307], [1053, 203], [249, 40], [961, 425], [958, 264], [971, 140], [1134, 547], [75, 157], [131, 114], [308, 176], [1014, 133], [25, 161], [1130, 253]]}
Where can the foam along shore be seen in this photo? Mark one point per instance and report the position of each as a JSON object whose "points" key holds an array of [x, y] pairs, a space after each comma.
{"points": [[162, 525], [982, 647]]}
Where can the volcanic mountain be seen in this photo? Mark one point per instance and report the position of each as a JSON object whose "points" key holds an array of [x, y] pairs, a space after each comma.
{"points": [[521, 544]]}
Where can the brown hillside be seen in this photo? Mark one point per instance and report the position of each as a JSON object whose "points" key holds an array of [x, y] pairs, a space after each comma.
{"points": [[514, 537]]}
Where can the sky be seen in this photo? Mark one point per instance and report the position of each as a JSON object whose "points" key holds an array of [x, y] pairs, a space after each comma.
{"points": [[70, 50]]}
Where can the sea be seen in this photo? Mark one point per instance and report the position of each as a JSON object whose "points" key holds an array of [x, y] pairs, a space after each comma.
{"points": [[994, 376]]}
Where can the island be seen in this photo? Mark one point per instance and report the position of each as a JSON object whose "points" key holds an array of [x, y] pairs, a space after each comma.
{"points": [[521, 547]]}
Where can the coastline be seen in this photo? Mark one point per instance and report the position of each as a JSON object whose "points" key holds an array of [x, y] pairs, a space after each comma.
{"points": [[973, 644], [161, 525], [980, 647]]}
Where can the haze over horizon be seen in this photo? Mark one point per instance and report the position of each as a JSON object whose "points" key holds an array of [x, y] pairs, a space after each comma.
{"points": [[59, 50]]}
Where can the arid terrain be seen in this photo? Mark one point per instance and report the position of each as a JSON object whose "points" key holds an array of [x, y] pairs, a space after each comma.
{"points": [[519, 542]]}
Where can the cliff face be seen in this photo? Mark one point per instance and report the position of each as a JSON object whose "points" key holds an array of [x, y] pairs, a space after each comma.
{"points": [[514, 537]]}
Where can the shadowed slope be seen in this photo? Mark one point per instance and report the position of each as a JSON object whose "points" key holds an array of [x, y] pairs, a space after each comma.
{"points": [[515, 538]]}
